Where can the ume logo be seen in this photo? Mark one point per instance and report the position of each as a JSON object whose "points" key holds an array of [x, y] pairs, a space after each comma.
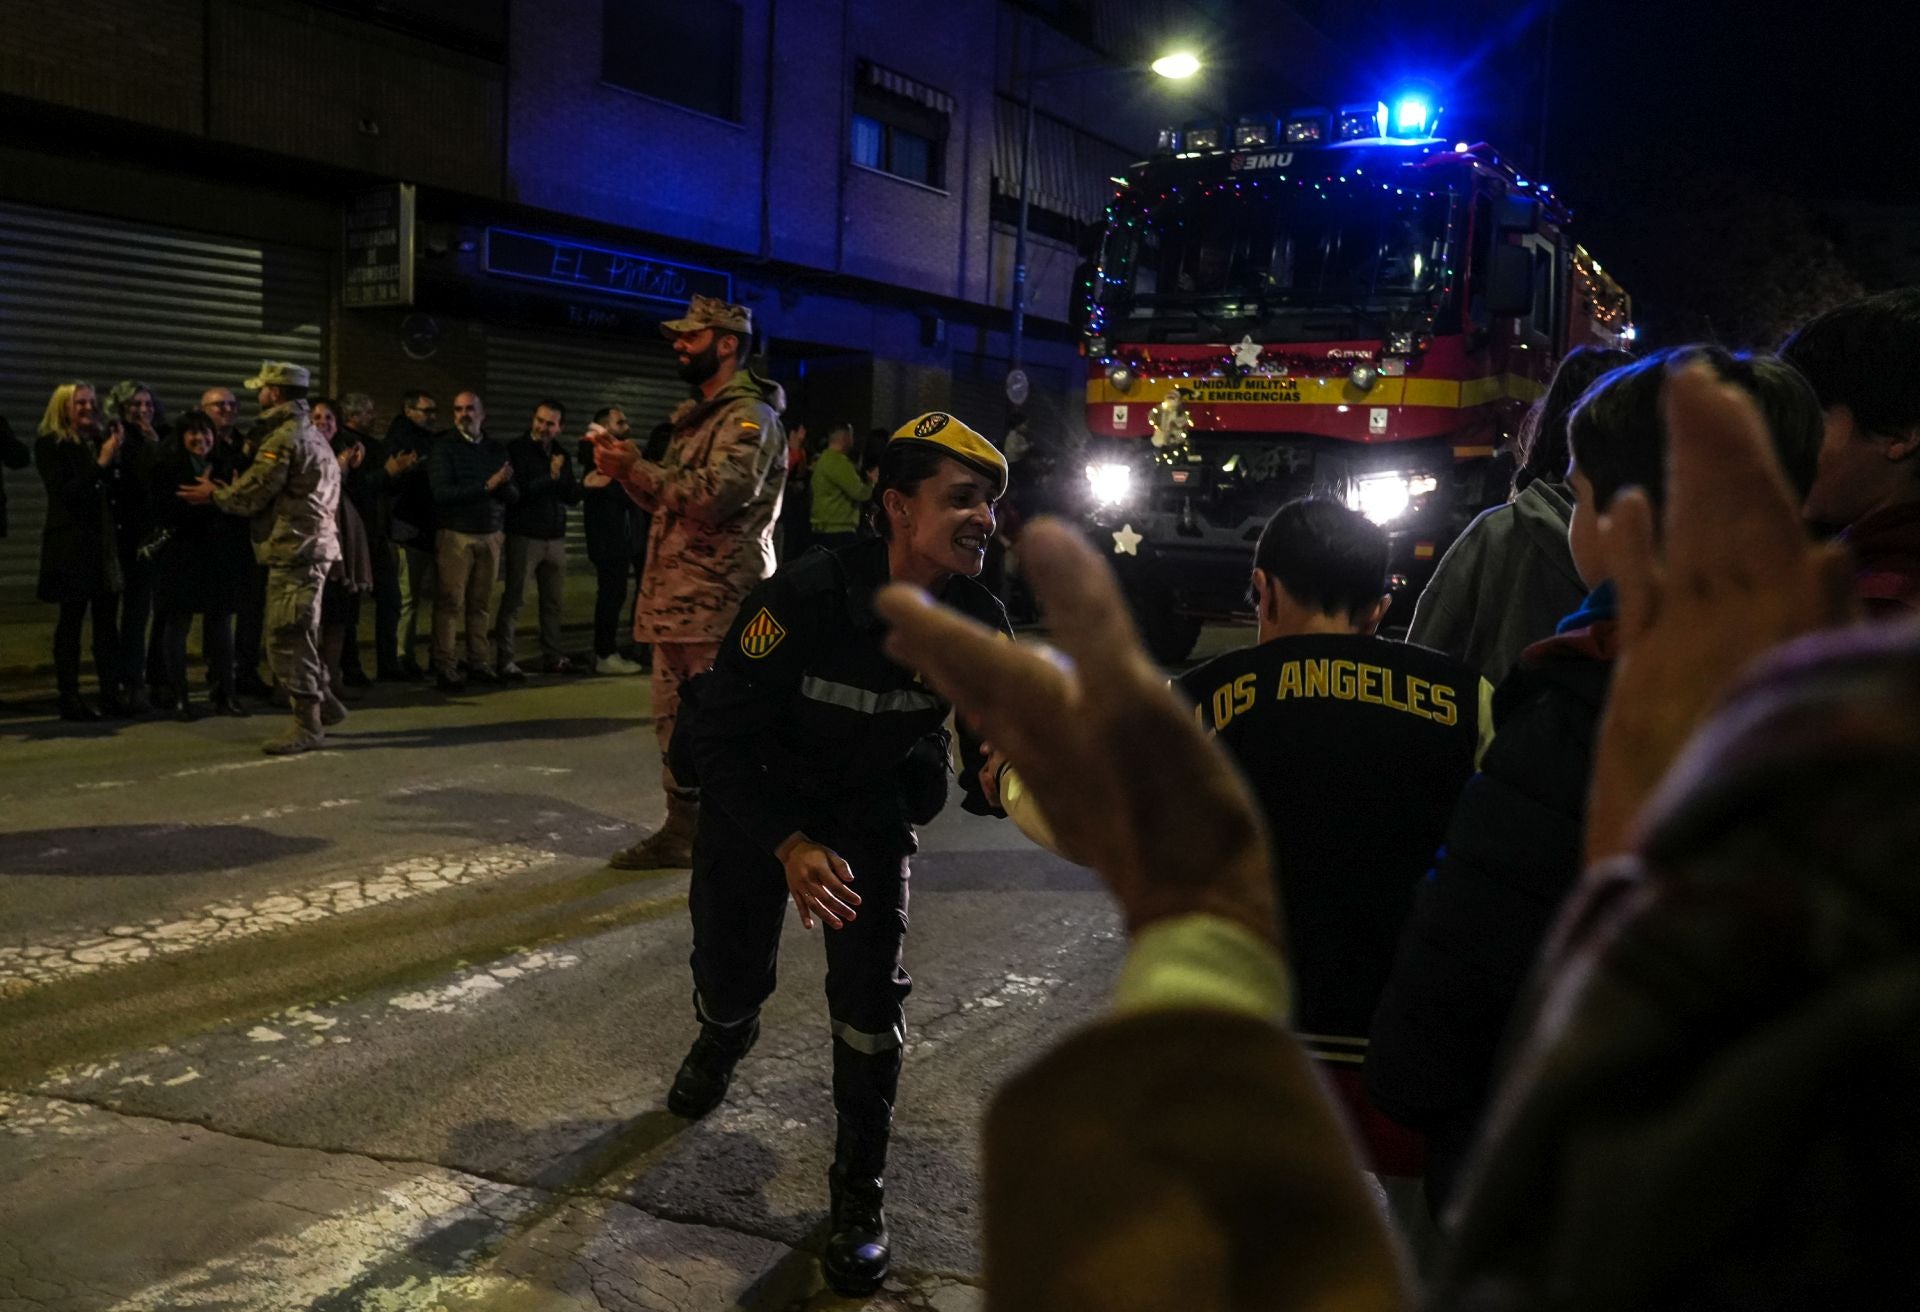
{"points": [[1271, 160]]}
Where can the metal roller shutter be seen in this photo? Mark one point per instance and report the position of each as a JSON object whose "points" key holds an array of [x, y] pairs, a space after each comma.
{"points": [[584, 373], [102, 300]]}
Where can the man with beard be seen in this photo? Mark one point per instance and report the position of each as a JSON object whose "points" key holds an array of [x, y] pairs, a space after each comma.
{"points": [[714, 496]]}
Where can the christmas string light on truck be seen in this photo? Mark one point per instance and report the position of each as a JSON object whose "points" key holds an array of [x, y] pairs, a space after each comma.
{"points": [[1333, 300]]}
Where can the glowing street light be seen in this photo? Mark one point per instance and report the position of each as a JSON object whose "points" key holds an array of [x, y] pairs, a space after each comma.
{"points": [[1179, 65]]}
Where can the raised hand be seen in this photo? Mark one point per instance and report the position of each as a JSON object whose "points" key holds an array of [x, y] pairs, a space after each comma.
{"points": [[1125, 778], [1730, 575]]}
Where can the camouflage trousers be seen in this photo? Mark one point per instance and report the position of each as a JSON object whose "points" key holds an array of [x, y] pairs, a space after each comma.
{"points": [[293, 629], [673, 664]]}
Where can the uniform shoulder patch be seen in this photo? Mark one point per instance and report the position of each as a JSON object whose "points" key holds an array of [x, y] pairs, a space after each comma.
{"points": [[762, 634], [267, 454]]}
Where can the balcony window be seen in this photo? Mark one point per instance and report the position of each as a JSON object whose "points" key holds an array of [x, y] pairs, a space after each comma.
{"points": [[685, 54], [900, 126]]}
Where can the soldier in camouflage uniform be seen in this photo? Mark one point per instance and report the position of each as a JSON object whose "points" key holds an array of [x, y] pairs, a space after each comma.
{"points": [[714, 496], [290, 491]]}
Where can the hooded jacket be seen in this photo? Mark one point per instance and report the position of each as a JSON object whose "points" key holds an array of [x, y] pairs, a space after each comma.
{"points": [[1503, 584], [714, 497]]}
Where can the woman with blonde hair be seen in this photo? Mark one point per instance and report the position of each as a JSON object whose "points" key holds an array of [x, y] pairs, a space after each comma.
{"points": [[79, 463]]}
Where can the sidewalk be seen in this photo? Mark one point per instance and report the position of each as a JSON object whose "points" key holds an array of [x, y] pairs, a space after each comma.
{"points": [[26, 631]]}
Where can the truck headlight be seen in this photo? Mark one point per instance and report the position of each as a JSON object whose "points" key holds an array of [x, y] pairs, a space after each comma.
{"points": [[1110, 483], [1383, 498]]}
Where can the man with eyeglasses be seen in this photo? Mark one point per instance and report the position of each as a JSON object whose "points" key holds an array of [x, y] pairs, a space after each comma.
{"points": [[713, 495], [411, 522]]}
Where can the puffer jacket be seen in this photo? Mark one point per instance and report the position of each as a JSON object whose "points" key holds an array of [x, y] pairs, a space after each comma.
{"points": [[1512, 855]]}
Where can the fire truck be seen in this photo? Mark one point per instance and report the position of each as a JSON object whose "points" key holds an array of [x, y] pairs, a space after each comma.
{"points": [[1331, 300]]}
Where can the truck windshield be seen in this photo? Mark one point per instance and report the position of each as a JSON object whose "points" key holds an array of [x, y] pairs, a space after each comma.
{"points": [[1254, 253]]}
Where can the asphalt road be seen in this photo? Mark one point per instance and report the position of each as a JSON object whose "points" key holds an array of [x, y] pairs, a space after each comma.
{"points": [[377, 1028]]}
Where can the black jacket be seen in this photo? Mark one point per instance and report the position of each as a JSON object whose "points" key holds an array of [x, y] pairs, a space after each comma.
{"points": [[79, 544], [410, 508], [1512, 856], [1320, 723], [458, 470], [14, 454], [368, 487], [541, 508], [616, 529], [805, 724], [206, 561]]}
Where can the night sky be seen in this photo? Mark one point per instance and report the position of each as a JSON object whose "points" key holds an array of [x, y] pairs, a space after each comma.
{"points": [[1806, 94], [1811, 96]]}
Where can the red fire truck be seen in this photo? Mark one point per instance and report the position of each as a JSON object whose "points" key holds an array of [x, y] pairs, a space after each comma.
{"points": [[1330, 300]]}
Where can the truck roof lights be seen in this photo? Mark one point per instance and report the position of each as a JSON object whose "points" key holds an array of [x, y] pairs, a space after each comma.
{"points": [[1204, 136], [1252, 131], [1361, 121], [1307, 127]]}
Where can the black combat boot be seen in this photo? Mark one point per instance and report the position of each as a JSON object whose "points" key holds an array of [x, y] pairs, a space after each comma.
{"points": [[708, 1069], [859, 1251]]}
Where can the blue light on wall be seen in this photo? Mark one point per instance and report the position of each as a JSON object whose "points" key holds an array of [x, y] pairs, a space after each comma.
{"points": [[601, 269]]}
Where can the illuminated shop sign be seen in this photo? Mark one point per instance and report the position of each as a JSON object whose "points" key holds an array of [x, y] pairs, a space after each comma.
{"points": [[601, 269]]}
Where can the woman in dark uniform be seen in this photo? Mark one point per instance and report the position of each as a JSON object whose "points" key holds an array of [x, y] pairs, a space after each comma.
{"points": [[816, 757]]}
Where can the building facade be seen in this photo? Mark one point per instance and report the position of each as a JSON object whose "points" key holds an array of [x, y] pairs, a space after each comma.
{"points": [[188, 186]]}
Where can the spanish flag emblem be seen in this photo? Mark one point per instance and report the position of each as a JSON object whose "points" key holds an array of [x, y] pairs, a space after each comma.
{"points": [[762, 634]]}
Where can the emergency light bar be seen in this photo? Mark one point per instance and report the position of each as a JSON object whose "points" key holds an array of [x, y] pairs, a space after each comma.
{"points": [[1413, 116]]}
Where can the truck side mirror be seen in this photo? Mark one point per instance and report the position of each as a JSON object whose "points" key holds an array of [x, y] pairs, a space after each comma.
{"points": [[1516, 214], [1510, 281]]}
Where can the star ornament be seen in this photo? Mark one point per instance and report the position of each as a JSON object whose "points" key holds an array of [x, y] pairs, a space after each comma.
{"points": [[1126, 542], [1247, 353]]}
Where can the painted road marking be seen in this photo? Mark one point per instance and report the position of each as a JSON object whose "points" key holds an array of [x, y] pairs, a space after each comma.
{"points": [[30, 966]]}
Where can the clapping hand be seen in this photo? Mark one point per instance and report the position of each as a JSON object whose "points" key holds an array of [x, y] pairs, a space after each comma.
{"points": [[198, 492], [499, 476], [1125, 778], [1730, 575], [611, 455]]}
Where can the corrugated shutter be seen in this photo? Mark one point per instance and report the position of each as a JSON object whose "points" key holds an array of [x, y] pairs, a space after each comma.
{"points": [[103, 300], [1070, 169], [584, 373]]}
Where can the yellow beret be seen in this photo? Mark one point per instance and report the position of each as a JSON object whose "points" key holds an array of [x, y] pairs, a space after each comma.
{"points": [[938, 429]]}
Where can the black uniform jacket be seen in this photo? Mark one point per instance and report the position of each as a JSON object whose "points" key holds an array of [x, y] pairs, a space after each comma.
{"points": [[805, 724], [1357, 748]]}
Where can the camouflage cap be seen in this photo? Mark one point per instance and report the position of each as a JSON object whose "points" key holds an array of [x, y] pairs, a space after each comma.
{"points": [[710, 312], [939, 429], [278, 373]]}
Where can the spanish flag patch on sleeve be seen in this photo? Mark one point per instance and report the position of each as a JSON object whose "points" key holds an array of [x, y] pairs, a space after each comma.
{"points": [[762, 634]]}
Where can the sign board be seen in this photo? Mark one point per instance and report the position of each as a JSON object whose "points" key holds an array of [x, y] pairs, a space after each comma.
{"points": [[601, 269], [379, 248]]}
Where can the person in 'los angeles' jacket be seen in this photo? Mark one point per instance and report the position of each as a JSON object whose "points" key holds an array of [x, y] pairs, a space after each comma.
{"points": [[817, 755]]}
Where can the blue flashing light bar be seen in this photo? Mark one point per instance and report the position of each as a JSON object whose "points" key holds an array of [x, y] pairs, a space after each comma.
{"points": [[1412, 116]]}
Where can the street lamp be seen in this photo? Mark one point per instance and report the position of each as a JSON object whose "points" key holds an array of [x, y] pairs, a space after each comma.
{"points": [[1176, 66]]}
